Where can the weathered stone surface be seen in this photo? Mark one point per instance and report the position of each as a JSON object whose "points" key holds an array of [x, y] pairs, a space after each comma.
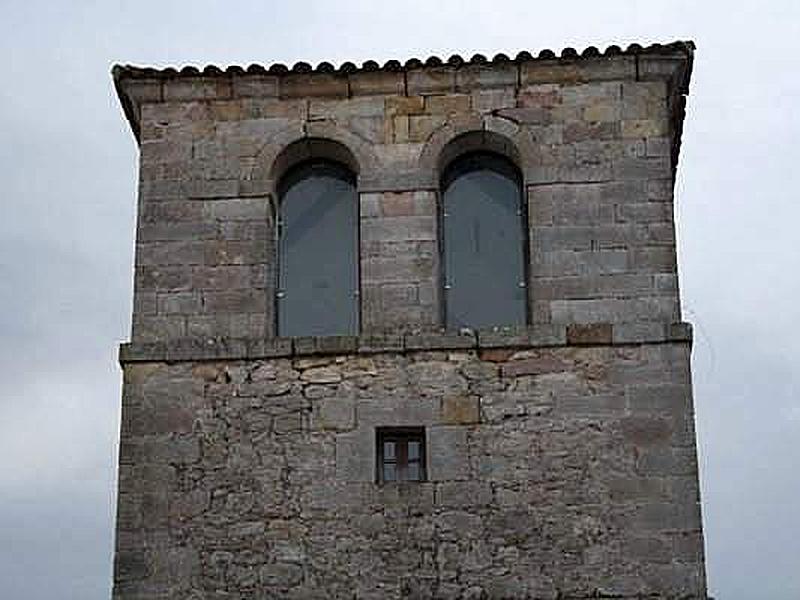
{"points": [[599, 333], [460, 410], [506, 463], [333, 413], [602, 154], [321, 375], [560, 454], [448, 452]]}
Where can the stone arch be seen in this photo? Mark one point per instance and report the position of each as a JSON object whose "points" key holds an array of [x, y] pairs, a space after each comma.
{"points": [[473, 135], [315, 139], [317, 241], [483, 232], [311, 148], [289, 147], [489, 134]]}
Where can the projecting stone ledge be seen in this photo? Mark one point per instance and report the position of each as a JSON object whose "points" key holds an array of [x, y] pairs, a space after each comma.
{"points": [[540, 336]]}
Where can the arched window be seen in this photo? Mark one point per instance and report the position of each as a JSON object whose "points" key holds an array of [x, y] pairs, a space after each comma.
{"points": [[318, 250], [483, 242]]}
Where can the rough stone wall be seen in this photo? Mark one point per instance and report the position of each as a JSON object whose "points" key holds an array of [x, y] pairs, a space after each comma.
{"points": [[554, 472], [593, 138]]}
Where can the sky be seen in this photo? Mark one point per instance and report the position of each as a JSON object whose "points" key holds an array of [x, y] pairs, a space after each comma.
{"points": [[68, 166]]}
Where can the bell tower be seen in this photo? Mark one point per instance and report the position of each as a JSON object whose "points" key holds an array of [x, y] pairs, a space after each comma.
{"points": [[409, 330]]}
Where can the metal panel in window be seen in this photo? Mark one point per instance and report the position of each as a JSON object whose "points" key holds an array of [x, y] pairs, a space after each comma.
{"points": [[318, 276], [483, 243]]}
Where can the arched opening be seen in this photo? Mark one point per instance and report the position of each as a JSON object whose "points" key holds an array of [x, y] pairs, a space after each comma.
{"points": [[318, 250], [312, 149], [483, 226]]}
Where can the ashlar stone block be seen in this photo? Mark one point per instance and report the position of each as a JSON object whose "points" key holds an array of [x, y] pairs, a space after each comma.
{"points": [[448, 453], [333, 413], [355, 455]]}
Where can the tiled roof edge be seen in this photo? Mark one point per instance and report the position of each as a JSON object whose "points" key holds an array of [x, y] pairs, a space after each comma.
{"points": [[124, 74], [133, 72]]}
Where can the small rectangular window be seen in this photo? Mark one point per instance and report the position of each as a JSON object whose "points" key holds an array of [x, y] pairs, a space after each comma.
{"points": [[401, 454]]}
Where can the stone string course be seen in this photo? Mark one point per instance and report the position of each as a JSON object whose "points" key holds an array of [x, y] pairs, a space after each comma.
{"points": [[513, 337], [565, 472]]}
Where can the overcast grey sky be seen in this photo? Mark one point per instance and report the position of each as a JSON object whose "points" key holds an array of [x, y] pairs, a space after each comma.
{"points": [[68, 172]]}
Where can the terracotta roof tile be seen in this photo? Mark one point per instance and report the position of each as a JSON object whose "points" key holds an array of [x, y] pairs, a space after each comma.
{"points": [[129, 71]]}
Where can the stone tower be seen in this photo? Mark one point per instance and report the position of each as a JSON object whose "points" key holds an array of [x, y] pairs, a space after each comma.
{"points": [[409, 331]]}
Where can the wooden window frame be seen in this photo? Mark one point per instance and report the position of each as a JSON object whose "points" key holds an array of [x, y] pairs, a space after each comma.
{"points": [[401, 436]]}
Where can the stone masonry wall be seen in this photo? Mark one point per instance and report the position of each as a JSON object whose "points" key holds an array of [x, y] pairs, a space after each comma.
{"points": [[399, 261], [561, 461], [564, 472], [595, 140]]}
